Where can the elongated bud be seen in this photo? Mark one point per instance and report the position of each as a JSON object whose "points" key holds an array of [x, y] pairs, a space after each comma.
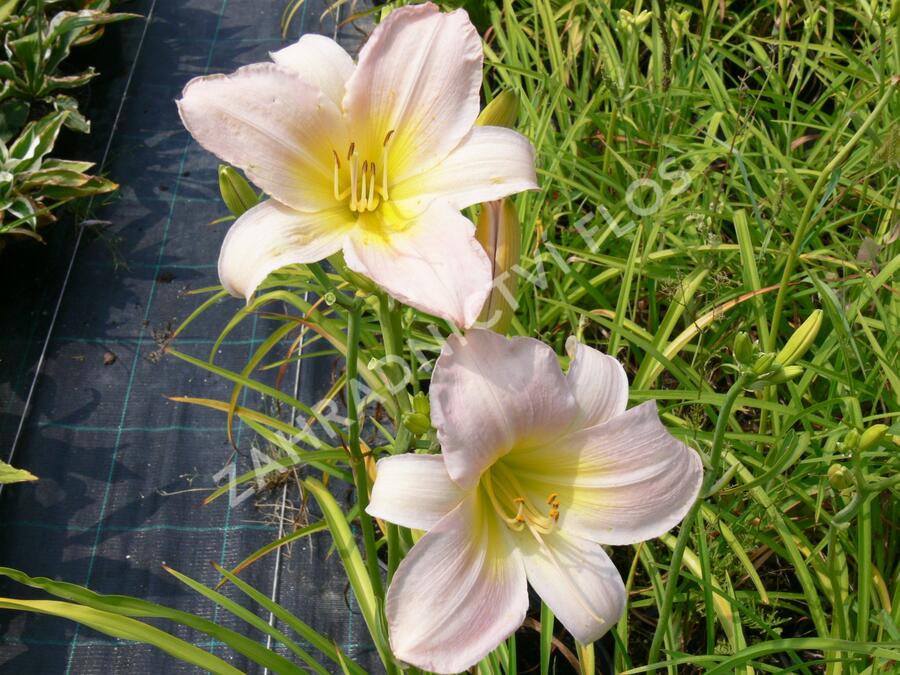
{"points": [[872, 436], [801, 340], [499, 234], [237, 193], [502, 111], [851, 440], [839, 477], [783, 374], [743, 348]]}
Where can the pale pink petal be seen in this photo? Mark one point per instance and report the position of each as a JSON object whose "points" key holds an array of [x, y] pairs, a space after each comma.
{"points": [[320, 61], [268, 121], [620, 482], [598, 382], [419, 75], [490, 163], [413, 491], [490, 394], [434, 263], [578, 582], [459, 592], [270, 236]]}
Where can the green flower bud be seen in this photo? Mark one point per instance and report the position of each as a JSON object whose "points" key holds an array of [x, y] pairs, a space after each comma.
{"points": [[502, 111], [782, 374], [801, 340], [851, 440], [840, 477], [421, 404], [236, 192], [872, 436], [416, 422], [743, 348], [764, 364], [500, 235]]}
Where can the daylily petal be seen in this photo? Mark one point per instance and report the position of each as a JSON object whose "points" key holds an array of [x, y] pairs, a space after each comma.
{"points": [[435, 264], [578, 582], [459, 592], [270, 236], [320, 61], [620, 482], [268, 121], [489, 393], [598, 382], [413, 491], [419, 75], [490, 163]]}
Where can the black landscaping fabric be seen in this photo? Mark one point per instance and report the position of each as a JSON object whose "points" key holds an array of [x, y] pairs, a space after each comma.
{"points": [[123, 469]]}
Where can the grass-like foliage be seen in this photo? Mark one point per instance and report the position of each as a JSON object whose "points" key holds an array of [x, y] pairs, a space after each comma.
{"points": [[711, 175]]}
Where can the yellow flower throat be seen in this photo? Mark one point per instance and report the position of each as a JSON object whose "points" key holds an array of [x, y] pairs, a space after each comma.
{"points": [[509, 500], [365, 191]]}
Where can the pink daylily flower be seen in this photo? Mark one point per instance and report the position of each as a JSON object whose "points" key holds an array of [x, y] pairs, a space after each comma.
{"points": [[537, 470], [375, 158]]}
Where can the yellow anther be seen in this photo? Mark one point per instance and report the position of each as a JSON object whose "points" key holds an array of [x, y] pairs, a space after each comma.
{"points": [[350, 151], [554, 497]]}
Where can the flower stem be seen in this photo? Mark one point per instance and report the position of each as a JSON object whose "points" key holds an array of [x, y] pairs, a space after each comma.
{"points": [[394, 353], [684, 532], [360, 476]]}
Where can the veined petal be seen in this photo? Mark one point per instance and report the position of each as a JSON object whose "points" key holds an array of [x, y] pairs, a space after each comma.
{"points": [[419, 75], [489, 393], [490, 163], [459, 592], [270, 236], [599, 383], [620, 482], [578, 582], [320, 61], [268, 121], [413, 491], [433, 263]]}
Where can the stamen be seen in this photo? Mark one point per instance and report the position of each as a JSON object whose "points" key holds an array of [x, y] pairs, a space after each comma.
{"points": [[350, 151], [337, 176], [554, 497], [362, 188], [371, 201], [384, 166], [354, 166]]}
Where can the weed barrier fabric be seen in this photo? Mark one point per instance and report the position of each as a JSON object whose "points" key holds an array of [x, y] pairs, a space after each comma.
{"points": [[123, 469]]}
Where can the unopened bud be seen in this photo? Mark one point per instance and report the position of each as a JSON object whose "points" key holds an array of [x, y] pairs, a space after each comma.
{"points": [[502, 111], [872, 436], [421, 404], [840, 477], [764, 364], [801, 340], [851, 440], [416, 422], [236, 192], [743, 348], [499, 234], [782, 374]]}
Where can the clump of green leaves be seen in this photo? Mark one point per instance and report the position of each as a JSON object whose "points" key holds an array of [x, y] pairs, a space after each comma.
{"points": [[32, 184], [37, 37]]}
